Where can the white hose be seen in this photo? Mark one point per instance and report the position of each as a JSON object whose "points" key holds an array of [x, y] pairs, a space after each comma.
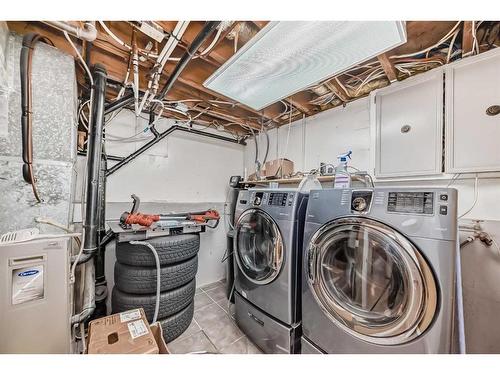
{"points": [[158, 276], [460, 305]]}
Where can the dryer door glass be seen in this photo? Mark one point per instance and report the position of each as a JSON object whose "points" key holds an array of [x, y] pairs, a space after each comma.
{"points": [[371, 281], [259, 246]]}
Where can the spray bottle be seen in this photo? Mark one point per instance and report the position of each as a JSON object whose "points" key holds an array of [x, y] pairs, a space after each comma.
{"points": [[342, 177]]}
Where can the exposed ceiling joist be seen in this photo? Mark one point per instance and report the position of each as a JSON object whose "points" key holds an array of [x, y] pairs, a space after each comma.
{"points": [[467, 38], [388, 66], [343, 88]]}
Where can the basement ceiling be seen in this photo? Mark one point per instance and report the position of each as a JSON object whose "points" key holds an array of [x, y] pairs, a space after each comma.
{"points": [[189, 100]]}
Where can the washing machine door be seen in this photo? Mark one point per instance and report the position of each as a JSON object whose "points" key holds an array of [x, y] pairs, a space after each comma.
{"points": [[371, 281], [258, 246]]}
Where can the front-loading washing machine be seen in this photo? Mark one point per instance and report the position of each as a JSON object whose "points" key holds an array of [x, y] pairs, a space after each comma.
{"points": [[268, 246], [379, 272]]}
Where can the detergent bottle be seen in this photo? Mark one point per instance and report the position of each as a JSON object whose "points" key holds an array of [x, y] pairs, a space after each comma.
{"points": [[342, 176]]}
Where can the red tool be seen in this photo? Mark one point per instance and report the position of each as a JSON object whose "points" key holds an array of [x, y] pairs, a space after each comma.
{"points": [[146, 220], [206, 216]]}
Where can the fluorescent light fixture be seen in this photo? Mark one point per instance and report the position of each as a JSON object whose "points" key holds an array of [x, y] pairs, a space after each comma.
{"points": [[289, 56]]}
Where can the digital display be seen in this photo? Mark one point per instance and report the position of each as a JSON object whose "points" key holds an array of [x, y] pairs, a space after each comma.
{"points": [[411, 202], [277, 199]]}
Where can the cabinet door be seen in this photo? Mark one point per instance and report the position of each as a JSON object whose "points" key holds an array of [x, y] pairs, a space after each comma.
{"points": [[472, 136], [408, 127]]}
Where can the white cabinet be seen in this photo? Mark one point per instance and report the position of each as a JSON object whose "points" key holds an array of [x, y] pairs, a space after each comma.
{"points": [[473, 137], [407, 120]]}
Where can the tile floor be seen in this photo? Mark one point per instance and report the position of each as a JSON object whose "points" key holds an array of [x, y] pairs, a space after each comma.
{"points": [[213, 329]]}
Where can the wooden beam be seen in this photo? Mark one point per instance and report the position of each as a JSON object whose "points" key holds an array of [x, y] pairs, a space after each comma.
{"points": [[467, 38], [338, 90], [389, 69], [295, 104], [223, 36]]}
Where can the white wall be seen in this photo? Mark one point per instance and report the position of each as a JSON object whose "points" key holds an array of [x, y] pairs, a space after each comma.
{"points": [[182, 172], [322, 137]]}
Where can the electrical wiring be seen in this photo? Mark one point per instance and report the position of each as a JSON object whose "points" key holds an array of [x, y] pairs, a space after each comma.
{"points": [[455, 176], [450, 49], [443, 39], [476, 196], [475, 44], [380, 73], [143, 52], [211, 45], [287, 139], [112, 35]]}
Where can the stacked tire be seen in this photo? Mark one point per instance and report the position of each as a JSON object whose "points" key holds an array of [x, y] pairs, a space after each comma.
{"points": [[135, 280]]}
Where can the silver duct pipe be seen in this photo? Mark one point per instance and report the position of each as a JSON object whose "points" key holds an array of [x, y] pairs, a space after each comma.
{"points": [[88, 32]]}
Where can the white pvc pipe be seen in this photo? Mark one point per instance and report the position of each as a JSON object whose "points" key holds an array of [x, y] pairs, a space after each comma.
{"points": [[88, 32], [163, 57]]}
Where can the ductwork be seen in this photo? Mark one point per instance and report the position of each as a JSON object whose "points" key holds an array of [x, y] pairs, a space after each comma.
{"points": [[88, 32]]}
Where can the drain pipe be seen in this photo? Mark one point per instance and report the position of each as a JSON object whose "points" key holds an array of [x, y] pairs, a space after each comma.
{"points": [[92, 215], [88, 32], [92, 210]]}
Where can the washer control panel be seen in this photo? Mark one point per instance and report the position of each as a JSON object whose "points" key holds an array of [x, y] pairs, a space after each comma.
{"points": [[280, 199], [411, 202]]}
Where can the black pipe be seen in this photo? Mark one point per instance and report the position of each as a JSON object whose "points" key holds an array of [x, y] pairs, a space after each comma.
{"points": [[208, 28], [209, 135], [109, 157], [119, 103], [162, 135], [92, 210]]}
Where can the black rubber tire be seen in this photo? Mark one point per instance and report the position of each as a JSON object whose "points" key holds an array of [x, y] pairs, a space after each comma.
{"points": [[175, 325], [170, 249], [142, 280], [171, 302]]}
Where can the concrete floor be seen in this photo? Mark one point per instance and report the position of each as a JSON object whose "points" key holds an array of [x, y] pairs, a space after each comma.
{"points": [[213, 329]]}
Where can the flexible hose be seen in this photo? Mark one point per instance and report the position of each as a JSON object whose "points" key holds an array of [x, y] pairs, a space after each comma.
{"points": [[462, 349], [158, 276]]}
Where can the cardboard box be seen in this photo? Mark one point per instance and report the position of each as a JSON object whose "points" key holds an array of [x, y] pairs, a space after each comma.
{"points": [[278, 168], [125, 333], [158, 335]]}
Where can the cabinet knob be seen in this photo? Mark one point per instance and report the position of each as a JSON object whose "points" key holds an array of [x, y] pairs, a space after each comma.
{"points": [[405, 129], [493, 110]]}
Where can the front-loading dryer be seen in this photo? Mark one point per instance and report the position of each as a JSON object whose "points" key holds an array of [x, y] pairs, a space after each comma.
{"points": [[268, 246], [379, 271]]}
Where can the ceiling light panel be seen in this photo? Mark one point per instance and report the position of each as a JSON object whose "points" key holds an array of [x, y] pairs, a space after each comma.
{"points": [[289, 56]]}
